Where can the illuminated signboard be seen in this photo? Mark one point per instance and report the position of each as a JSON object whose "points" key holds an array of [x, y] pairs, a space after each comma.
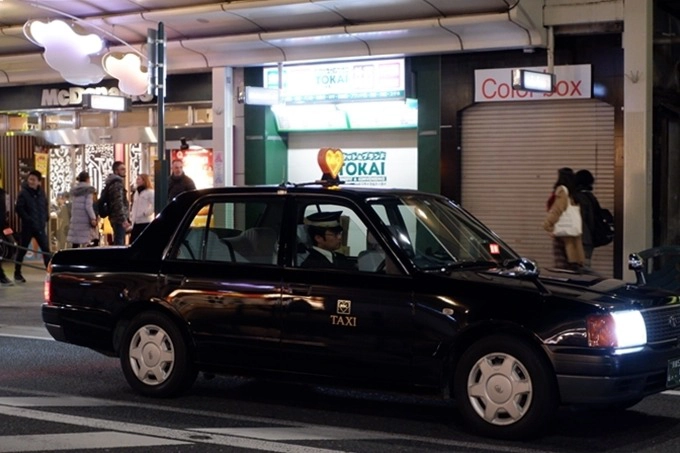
{"points": [[542, 82], [107, 103], [339, 82], [347, 116]]}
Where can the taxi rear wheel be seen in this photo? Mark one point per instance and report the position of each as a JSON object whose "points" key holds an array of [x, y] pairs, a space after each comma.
{"points": [[155, 358], [504, 388]]}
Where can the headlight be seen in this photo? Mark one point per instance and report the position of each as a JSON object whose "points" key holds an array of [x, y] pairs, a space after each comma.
{"points": [[618, 329]]}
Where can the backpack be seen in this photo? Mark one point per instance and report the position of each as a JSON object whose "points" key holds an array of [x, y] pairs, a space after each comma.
{"points": [[603, 223], [102, 206]]}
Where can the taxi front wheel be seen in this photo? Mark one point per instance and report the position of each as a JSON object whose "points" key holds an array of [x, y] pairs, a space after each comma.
{"points": [[155, 358], [505, 389]]}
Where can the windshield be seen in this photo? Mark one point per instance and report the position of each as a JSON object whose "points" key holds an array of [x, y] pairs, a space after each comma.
{"points": [[436, 234]]}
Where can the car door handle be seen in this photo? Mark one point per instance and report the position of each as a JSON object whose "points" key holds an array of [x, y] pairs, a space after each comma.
{"points": [[174, 279]]}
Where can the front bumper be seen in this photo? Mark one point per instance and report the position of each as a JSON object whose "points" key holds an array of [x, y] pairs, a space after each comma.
{"points": [[593, 377]]}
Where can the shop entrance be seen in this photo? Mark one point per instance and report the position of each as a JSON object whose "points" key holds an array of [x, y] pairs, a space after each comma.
{"points": [[510, 157]]}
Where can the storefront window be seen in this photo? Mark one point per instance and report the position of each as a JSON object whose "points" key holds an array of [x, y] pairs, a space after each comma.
{"points": [[22, 122], [202, 114], [95, 119], [62, 120], [177, 116], [137, 117]]}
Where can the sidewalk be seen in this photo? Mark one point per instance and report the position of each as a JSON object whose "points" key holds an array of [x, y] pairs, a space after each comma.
{"points": [[20, 304]]}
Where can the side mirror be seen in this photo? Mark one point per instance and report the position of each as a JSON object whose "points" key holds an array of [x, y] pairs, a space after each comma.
{"points": [[520, 267], [635, 263]]}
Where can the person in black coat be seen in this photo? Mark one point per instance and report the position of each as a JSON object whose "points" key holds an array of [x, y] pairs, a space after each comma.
{"points": [[179, 182], [584, 186], [3, 223], [32, 209], [326, 233]]}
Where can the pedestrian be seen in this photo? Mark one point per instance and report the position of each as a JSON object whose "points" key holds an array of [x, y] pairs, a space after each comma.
{"points": [[119, 206], [4, 281], [567, 250], [82, 228], [325, 231], [32, 209], [179, 182], [584, 181], [142, 211]]}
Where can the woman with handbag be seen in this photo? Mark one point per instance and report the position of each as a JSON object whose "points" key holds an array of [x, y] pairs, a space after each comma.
{"points": [[563, 222]]}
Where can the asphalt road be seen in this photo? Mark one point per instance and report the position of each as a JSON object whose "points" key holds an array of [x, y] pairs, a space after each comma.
{"points": [[59, 397]]}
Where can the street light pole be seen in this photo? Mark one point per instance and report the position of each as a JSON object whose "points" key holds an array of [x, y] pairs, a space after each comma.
{"points": [[156, 45]]}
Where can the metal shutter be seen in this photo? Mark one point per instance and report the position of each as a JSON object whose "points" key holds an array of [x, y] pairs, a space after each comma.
{"points": [[510, 155]]}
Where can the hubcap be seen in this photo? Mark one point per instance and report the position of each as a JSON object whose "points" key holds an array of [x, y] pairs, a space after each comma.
{"points": [[499, 389], [152, 355]]}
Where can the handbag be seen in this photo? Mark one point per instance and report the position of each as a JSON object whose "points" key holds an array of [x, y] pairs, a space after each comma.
{"points": [[569, 223]]}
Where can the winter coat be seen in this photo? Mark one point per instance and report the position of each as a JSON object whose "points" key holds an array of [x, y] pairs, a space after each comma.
{"points": [[80, 229], [116, 194], [32, 209], [587, 214], [142, 207], [3, 209], [572, 245], [179, 184]]}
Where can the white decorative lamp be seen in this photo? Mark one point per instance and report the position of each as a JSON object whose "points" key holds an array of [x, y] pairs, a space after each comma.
{"points": [[128, 69], [68, 50]]}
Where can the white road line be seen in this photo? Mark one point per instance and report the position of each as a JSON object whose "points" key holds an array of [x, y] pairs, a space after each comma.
{"points": [[309, 432], [78, 441], [181, 435], [672, 392], [264, 434], [55, 401], [31, 333]]}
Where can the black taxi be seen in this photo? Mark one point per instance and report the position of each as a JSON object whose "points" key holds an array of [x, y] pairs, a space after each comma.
{"points": [[427, 298]]}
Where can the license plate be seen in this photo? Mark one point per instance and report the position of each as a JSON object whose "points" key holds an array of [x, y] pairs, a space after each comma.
{"points": [[673, 375]]}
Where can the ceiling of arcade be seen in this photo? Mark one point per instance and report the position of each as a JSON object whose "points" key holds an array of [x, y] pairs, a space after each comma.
{"points": [[206, 33], [202, 34]]}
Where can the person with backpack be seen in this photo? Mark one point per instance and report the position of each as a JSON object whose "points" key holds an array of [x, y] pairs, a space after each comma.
{"points": [[114, 198], [598, 227]]}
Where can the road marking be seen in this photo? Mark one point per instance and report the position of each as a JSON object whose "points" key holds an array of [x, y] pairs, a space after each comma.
{"points": [[672, 392], [170, 434], [32, 333], [237, 437], [77, 441], [309, 432], [55, 401]]}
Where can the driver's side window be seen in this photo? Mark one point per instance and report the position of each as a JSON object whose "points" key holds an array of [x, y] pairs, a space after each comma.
{"points": [[334, 236]]}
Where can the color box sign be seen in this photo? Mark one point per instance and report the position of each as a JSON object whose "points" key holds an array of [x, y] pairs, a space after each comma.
{"points": [[380, 167], [495, 85], [339, 82]]}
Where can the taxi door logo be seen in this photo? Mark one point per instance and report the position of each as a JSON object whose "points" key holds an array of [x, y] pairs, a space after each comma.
{"points": [[343, 309]]}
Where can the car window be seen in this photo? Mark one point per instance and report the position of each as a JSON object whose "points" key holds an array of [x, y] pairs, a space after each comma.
{"points": [[238, 231], [354, 249], [435, 234]]}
